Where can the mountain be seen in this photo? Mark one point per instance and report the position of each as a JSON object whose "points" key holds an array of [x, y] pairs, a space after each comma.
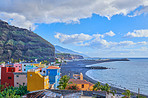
{"points": [[59, 49], [18, 43]]}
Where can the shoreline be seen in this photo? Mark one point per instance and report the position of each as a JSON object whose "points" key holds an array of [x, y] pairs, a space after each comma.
{"points": [[75, 67]]}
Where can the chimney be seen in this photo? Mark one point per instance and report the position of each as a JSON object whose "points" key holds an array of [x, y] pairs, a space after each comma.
{"points": [[81, 76]]}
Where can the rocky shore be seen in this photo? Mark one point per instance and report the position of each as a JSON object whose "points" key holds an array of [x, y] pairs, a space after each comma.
{"points": [[76, 67]]}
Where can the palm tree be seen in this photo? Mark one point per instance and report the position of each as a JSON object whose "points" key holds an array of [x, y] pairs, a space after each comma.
{"points": [[64, 82], [97, 86], [127, 93], [106, 88], [113, 92]]}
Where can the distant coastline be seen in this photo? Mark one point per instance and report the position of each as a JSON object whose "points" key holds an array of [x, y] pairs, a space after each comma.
{"points": [[78, 66]]}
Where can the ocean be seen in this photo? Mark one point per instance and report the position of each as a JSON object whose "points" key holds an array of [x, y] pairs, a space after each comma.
{"points": [[130, 75]]}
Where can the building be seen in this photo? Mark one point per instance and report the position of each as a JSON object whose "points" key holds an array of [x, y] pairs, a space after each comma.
{"points": [[7, 76], [82, 84], [78, 76], [18, 66], [28, 66], [54, 75], [42, 65], [20, 78], [9, 65], [36, 81], [50, 93]]}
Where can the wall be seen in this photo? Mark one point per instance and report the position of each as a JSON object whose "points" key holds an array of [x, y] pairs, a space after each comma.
{"points": [[22, 78], [86, 86], [5, 73], [35, 81]]}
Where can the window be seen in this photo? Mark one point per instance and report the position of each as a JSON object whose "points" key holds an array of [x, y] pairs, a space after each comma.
{"points": [[17, 83], [9, 77], [16, 66], [12, 70], [23, 83], [19, 66], [43, 71], [24, 65], [30, 75], [17, 75], [24, 69], [82, 85], [40, 70], [48, 72]]}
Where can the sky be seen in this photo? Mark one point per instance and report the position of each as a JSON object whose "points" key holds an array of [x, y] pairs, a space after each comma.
{"points": [[97, 28]]}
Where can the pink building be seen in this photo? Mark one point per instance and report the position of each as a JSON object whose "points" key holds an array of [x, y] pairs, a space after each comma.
{"points": [[20, 78], [2, 65], [18, 67]]}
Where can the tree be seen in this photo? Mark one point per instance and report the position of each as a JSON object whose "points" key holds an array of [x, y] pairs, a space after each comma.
{"points": [[97, 86], [113, 92], [64, 82], [9, 92], [140, 96], [14, 92], [106, 88], [12, 61], [127, 93]]}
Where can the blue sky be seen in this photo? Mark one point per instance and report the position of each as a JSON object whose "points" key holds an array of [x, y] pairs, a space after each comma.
{"points": [[109, 28]]}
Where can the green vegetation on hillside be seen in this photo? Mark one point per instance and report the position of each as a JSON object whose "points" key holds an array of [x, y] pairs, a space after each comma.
{"points": [[24, 44]]}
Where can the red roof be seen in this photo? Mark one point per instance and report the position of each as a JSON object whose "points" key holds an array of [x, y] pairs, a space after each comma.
{"points": [[78, 81], [53, 67]]}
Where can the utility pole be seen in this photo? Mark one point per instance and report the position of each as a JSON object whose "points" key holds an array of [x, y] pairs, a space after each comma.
{"points": [[138, 92]]}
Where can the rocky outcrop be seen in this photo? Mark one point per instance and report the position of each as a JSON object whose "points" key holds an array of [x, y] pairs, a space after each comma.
{"points": [[18, 43]]}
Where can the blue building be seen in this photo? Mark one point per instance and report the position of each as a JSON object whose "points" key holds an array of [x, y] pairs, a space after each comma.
{"points": [[54, 75]]}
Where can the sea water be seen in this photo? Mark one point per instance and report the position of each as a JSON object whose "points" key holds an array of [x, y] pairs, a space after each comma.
{"points": [[130, 75]]}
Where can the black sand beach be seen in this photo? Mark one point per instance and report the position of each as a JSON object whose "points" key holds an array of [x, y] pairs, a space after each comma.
{"points": [[77, 67]]}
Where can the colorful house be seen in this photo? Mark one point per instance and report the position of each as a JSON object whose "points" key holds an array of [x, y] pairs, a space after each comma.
{"points": [[7, 76], [20, 78], [36, 81], [28, 66], [54, 75], [42, 65], [82, 84], [18, 66]]}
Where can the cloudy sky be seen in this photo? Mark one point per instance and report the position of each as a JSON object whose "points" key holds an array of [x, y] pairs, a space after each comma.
{"points": [[98, 28]]}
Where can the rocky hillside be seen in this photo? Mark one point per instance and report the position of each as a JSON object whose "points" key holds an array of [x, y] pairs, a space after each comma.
{"points": [[24, 44]]}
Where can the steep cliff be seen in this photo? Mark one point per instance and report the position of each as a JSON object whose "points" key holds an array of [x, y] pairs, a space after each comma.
{"points": [[24, 44]]}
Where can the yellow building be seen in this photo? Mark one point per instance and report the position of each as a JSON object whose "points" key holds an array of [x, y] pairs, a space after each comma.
{"points": [[35, 81], [42, 65], [36, 64]]}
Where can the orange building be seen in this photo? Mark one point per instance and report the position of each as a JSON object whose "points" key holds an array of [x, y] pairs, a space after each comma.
{"points": [[82, 84]]}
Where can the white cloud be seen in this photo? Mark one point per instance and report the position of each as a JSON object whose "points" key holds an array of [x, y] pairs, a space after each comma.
{"points": [[66, 11], [94, 41], [137, 33], [74, 38], [110, 33]]}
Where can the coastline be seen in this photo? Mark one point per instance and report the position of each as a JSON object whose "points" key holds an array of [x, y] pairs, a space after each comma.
{"points": [[75, 67]]}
